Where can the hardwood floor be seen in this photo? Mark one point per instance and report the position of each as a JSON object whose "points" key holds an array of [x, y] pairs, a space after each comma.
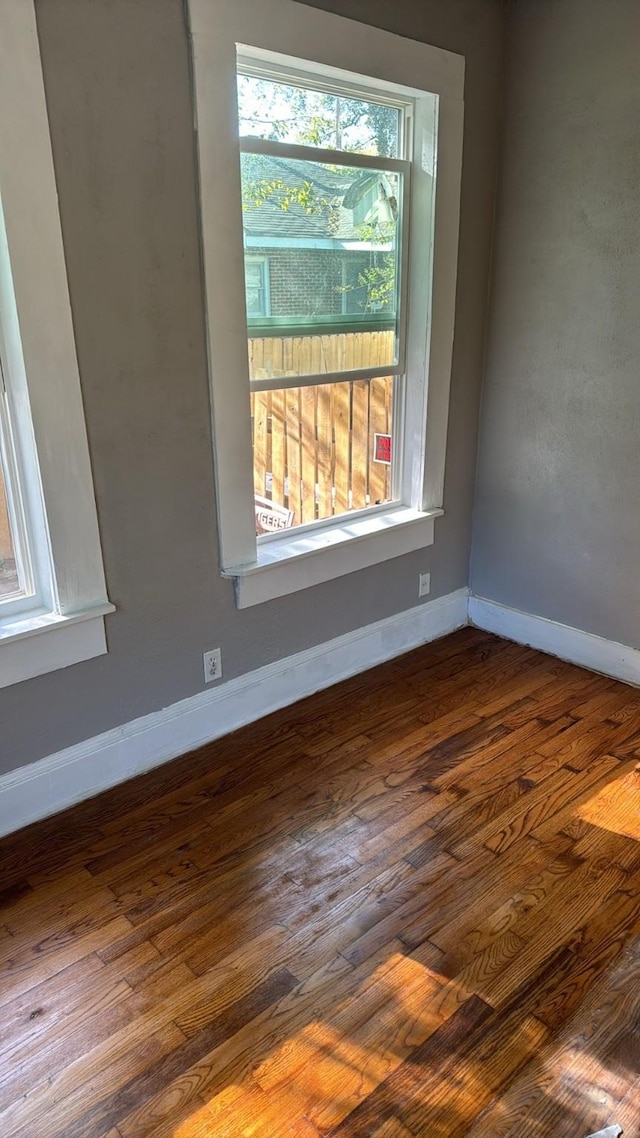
{"points": [[408, 906]]}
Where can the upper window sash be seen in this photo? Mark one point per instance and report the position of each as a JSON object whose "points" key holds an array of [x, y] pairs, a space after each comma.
{"points": [[254, 63], [263, 64], [347, 159]]}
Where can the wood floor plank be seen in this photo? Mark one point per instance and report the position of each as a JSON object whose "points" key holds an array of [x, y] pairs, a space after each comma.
{"points": [[392, 1129], [99, 1017], [480, 926], [592, 948], [447, 1106], [548, 927], [570, 1084], [367, 913], [406, 907], [493, 760], [332, 988], [39, 1106], [484, 883], [528, 813], [534, 677], [182, 1057], [514, 763], [569, 694], [27, 970], [434, 1059], [571, 819]]}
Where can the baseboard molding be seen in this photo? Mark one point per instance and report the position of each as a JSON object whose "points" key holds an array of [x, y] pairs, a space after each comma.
{"points": [[583, 648], [45, 787]]}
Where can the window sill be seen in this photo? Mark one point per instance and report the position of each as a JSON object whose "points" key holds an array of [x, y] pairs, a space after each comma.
{"points": [[297, 562], [33, 644]]}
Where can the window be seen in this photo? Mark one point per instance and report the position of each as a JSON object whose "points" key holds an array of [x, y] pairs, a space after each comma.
{"points": [[256, 281], [327, 221], [329, 405], [52, 590]]}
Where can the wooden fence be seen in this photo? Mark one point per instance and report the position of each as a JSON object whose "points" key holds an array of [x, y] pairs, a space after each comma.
{"points": [[317, 355], [313, 447]]}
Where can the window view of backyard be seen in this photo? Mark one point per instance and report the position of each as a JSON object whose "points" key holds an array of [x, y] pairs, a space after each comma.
{"points": [[321, 252], [322, 241], [314, 449], [9, 583]]}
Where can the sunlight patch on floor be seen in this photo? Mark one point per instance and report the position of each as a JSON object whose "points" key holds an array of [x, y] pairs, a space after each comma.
{"points": [[616, 807], [202, 1124], [322, 1071]]}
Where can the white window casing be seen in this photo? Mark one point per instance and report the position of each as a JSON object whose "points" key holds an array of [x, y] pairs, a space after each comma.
{"points": [[65, 623], [284, 34]]}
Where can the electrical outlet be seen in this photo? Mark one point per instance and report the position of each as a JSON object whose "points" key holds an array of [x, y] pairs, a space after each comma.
{"points": [[212, 665], [424, 584]]}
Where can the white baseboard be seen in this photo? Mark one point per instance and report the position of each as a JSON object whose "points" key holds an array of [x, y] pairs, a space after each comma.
{"points": [[583, 648], [60, 780]]}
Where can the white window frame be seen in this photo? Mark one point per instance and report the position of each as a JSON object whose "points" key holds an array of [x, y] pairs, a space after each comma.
{"points": [[65, 621], [282, 32]]}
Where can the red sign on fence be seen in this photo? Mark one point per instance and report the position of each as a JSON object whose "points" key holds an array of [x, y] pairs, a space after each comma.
{"points": [[382, 449]]}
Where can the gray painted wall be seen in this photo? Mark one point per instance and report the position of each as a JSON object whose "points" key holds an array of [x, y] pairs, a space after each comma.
{"points": [[557, 518], [117, 84]]}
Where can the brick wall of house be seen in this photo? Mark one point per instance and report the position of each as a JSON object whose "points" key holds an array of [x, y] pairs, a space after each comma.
{"points": [[304, 282], [309, 282]]}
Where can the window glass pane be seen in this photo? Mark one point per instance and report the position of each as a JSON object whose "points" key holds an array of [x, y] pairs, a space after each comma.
{"points": [[319, 452], [255, 298], [286, 113], [330, 237], [255, 287], [10, 585]]}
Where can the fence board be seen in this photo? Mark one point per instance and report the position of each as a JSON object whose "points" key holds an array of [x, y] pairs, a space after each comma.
{"points": [[305, 356], [294, 466], [278, 452], [317, 355], [359, 442], [256, 358], [308, 436], [289, 346], [260, 413], [273, 347], [377, 424], [340, 393], [325, 464]]}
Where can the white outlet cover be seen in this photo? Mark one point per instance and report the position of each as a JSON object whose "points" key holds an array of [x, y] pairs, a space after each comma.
{"points": [[424, 584], [212, 663]]}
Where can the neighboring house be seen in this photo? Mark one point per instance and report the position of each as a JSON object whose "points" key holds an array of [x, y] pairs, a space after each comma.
{"points": [[310, 258]]}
